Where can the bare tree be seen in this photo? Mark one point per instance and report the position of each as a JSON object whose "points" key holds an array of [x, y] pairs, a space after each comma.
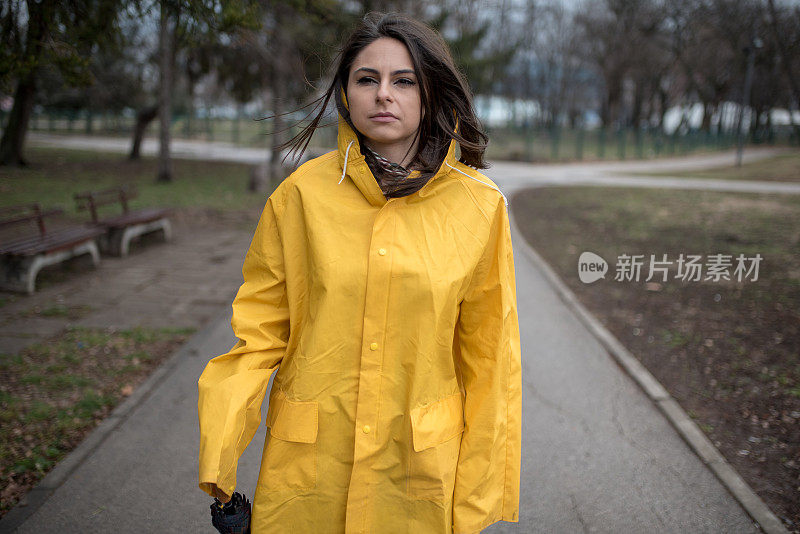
{"points": [[166, 37], [37, 34], [785, 33]]}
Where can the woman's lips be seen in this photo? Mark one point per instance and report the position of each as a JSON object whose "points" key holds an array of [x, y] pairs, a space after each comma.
{"points": [[383, 118]]}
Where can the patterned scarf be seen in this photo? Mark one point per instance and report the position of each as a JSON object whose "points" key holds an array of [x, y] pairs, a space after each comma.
{"points": [[387, 173]]}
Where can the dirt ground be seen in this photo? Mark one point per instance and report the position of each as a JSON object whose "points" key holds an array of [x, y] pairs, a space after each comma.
{"points": [[727, 351]]}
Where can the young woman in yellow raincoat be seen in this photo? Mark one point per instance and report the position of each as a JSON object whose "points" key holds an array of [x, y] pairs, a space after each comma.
{"points": [[384, 301]]}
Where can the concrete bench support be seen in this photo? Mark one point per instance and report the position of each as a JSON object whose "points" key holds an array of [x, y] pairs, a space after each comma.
{"points": [[117, 241], [19, 274]]}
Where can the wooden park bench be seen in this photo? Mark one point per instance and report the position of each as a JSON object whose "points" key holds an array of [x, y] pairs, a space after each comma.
{"points": [[24, 255], [120, 229]]}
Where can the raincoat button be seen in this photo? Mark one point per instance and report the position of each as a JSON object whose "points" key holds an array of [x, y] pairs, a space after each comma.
{"points": [[382, 251], [366, 429], [373, 346]]}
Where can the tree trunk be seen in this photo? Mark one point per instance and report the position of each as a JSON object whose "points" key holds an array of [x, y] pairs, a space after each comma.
{"points": [[278, 98], [638, 102], [165, 85], [662, 107], [707, 112], [14, 135], [786, 63], [609, 112], [143, 118], [278, 124], [13, 141], [755, 122], [190, 110]]}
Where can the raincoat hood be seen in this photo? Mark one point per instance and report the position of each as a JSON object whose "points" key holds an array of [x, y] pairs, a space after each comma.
{"points": [[354, 165]]}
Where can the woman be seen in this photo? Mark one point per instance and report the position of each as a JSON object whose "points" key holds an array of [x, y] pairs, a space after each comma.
{"points": [[384, 300]]}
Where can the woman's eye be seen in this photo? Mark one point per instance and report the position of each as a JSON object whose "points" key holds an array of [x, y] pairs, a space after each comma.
{"points": [[368, 79]]}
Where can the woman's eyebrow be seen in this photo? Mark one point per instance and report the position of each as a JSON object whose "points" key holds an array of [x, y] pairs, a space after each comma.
{"points": [[401, 71]]}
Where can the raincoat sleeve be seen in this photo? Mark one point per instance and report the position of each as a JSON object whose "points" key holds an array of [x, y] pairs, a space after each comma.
{"points": [[233, 385], [487, 351]]}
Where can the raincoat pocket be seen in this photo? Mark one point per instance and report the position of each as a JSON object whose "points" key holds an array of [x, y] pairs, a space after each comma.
{"points": [[289, 460], [436, 436]]}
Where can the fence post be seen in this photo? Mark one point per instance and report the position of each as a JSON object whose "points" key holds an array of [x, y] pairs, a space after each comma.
{"points": [[639, 143], [579, 144], [655, 139], [554, 142], [209, 126], [601, 142], [621, 134], [528, 142]]}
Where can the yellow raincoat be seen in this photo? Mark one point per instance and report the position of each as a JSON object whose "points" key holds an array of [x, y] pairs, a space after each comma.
{"points": [[392, 325]]}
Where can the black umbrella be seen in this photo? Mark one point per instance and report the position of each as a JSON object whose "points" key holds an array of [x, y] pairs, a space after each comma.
{"points": [[232, 517]]}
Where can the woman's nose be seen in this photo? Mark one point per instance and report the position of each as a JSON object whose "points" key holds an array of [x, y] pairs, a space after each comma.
{"points": [[384, 91]]}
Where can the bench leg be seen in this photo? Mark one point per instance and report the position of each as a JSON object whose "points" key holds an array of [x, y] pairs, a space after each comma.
{"points": [[166, 227], [125, 240], [20, 274], [17, 275], [91, 248], [121, 245], [33, 270]]}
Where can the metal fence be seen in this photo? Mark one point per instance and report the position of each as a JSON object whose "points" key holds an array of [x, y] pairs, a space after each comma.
{"points": [[568, 144], [536, 144]]}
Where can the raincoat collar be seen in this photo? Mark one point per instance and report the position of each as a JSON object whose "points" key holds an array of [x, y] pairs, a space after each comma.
{"points": [[353, 164]]}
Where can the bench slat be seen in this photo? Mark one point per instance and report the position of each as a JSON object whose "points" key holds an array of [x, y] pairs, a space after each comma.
{"points": [[50, 242], [53, 237], [57, 234], [134, 217]]}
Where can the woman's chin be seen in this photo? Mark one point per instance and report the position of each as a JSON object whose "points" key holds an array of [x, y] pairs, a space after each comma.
{"points": [[383, 140]]}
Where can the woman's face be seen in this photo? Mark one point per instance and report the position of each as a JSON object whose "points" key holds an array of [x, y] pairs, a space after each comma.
{"points": [[382, 81]]}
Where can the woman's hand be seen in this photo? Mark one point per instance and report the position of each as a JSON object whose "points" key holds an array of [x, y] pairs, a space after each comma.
{"points": [[219, 494]]}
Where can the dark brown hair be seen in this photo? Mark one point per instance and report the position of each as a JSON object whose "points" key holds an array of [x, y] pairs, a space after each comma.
{"points": [[444, 93]]}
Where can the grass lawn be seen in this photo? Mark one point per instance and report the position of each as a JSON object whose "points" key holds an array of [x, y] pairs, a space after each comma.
{"points": [[727, 350], [782, 168], [55, 174], [56, 392]]}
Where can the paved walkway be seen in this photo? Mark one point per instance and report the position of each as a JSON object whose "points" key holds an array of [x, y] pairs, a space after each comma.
{"points": [[598, 456], [180, 148], [183, 283], [510, 175], [515, 176]]}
